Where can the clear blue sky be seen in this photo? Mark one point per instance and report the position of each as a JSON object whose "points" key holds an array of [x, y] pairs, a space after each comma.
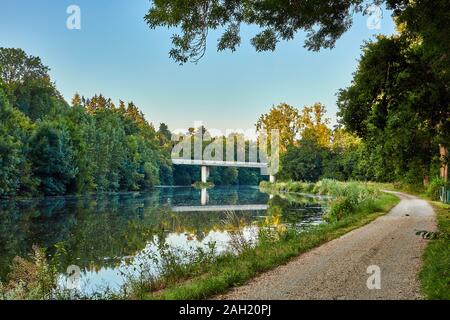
{"points": [[116, 54]]}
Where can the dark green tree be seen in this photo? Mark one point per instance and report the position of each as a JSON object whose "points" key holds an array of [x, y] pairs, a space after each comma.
{"points": [[323, 21], [15, 132], [304, 162], [28, 85], [52, 158], [399, 106]]}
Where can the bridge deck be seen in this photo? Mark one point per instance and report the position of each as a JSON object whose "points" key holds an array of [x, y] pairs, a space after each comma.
{"points": [[212, 163]]}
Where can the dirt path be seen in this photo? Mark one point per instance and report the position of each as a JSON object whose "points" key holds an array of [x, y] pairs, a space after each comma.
{"points": [[338, 269]]}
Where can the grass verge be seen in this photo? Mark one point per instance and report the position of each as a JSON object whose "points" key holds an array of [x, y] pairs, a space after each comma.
{"points": [[435, 273], [232, 270]]}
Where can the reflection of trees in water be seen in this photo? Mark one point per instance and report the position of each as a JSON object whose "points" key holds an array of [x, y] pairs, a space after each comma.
{"points": [[12, 235], [92, 229], [98, 231], [291, 208], [25, 223]]}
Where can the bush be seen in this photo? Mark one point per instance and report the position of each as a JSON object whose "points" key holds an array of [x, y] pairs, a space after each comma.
{"points": [[348, 196], [434, 187], [339, 209], [31, 279]]}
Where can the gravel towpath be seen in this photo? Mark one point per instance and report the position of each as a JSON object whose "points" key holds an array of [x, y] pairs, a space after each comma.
{"points": [[338, 269]]}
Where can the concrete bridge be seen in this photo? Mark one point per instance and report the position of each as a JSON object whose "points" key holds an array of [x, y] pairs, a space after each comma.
{"points": [[206, 164]]}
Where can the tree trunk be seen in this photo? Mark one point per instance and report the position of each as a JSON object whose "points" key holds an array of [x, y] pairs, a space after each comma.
{"points": [[443, 150]]}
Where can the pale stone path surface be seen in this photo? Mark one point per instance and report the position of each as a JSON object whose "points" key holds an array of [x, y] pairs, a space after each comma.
{"points": [[338, 269]]}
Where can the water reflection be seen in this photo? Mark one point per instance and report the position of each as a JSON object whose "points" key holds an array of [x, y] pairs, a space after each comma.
{"points": [[205, 196], [101, 233]]}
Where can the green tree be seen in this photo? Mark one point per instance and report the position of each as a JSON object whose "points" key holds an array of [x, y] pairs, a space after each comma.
{"points": [[323, 21], [304, 162], [398, 103], [57, 149], [16, 67], [27, 84], [52, 158], [164, 132], [15, 132]]}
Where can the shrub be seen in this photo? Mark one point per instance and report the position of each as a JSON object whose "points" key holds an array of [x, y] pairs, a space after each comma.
{"points": [[34, 278], [348, 196], [339, 209], [434, 187]]}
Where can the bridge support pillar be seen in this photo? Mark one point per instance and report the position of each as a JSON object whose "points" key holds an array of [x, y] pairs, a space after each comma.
{"points": [[205, 174], [272, 179]]}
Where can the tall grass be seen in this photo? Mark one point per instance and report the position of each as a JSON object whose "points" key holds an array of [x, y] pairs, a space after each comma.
{"points": [[435, 273], [347, 197]]}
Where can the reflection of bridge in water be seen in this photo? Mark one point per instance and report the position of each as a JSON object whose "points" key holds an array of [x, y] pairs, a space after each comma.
{"points": [[205, 207], [243, 207]]}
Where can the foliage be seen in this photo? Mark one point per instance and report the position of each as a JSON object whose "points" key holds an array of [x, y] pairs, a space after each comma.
{"points": [[31, 279], [231, 270], [52, 158], [27, 84], [430, 235], [347, 197], [313, 126], [203, 185], [283, 118], [168, 266], [398, 104], [235, 226], [436, 259], [303, 163], [15, 131], [51, 148], [434, 187], [336, 155], [309, 124], [324, 23]]}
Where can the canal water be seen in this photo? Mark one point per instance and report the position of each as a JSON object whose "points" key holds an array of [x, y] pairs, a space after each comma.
{"points": [[106, 236]]}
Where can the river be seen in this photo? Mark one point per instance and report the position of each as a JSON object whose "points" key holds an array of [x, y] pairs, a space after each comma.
{"points": [[105, 235]]}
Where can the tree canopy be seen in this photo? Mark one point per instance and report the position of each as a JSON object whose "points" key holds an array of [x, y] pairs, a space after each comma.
{"points": [[398, 102], [324, 22]]}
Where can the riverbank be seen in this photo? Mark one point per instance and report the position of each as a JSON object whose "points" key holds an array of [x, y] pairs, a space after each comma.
{"points": [[277, 247], [200, 274]]}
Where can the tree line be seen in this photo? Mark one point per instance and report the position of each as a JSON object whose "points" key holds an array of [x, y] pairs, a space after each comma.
{"points": [[397, 103], [393, 121], [51, 147]]}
